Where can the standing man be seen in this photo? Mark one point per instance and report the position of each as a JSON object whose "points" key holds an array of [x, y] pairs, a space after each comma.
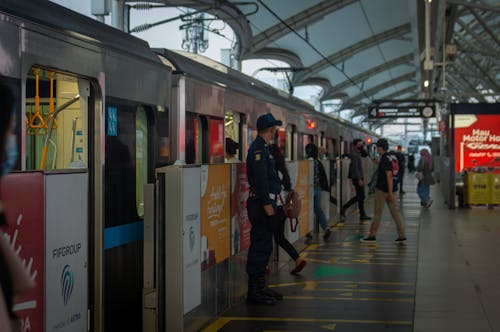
{"points": [[357, 179], [402, 165], [384, 193], [262, 206]]}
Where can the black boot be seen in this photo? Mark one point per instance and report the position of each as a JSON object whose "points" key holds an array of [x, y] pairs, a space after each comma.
{"points": [[256, 294], [268, 291]]}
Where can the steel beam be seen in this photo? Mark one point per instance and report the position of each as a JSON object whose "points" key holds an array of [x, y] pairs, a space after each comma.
{"points": [[277, 54], [485, 27], [353, 49], [405, 59]]}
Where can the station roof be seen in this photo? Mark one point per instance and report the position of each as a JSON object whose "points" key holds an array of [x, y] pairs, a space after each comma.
{"points": [[364, 50]]}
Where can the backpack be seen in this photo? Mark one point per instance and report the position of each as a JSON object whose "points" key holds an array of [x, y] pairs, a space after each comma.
{"points": [[292, 207], [395, 170]]}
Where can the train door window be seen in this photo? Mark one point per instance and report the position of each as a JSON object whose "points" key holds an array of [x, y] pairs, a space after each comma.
{"points": [[330, 148], [281, 141], [322, 140], [141, 158], [233, 129], [290, 143], [216, 137], [62, 142], [191, 144]]}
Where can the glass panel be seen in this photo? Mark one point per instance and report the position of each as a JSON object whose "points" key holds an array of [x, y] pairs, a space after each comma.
{"points": [[232, 131], [63, 98], [191, 138], [141, 158], [216, 129]]}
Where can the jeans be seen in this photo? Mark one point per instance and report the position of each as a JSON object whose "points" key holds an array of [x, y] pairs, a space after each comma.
{"points": [[423, 192], [320, 215]]}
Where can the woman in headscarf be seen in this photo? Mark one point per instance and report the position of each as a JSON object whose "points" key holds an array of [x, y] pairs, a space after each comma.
{"points": [[425, 178]]}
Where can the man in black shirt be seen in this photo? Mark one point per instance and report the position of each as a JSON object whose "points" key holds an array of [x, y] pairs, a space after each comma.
{"points": [[384, 193]]}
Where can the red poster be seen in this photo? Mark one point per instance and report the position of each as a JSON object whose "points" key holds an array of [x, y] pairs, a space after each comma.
{"points": [[23, 200], [477, 141]]}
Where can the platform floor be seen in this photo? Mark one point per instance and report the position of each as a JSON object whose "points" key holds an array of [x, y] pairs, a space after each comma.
{"points": [[443, 279]]}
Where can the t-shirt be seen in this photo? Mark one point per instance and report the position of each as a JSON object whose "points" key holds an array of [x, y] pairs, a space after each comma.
{"points": [[384, 166]]}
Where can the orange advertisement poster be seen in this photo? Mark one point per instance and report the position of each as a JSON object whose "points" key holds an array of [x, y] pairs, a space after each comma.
{"points": [[303, 187], [215, 214]]}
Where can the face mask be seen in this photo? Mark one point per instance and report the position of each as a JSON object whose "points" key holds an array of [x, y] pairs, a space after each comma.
{"points": [[11, 155]]}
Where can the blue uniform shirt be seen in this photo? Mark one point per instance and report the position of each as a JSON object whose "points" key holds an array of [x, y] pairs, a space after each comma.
{"points": [[261, 171]]}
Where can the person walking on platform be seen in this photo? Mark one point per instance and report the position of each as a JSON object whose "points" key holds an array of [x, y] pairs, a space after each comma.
{"points": [[278, 223], [401, 172], [320, 184], [425, 178], [411, 162], [357, 179], [262, 207], [384, 193]]}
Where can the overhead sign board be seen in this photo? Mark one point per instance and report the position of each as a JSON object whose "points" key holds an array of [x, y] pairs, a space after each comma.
{"points": [[377, 112]]}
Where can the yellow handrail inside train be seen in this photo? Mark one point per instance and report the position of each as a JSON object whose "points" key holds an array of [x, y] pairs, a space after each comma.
{"points": [[37, 115], [51, 100]]}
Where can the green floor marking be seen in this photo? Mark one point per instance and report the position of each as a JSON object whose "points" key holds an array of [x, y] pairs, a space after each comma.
{"points": [[354, 237], [328, 271]]}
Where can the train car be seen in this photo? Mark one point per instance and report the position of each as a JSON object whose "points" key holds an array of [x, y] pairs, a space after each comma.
{"points": [[213, 101], [92, 101], [99, 106]]}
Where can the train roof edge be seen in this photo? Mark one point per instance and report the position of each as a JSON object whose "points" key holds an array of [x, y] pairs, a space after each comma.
{"points": [[54, 16], [188, 63]]}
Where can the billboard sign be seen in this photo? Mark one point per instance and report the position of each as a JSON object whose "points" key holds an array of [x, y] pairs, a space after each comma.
{"points": [[377, 112], [477, 141]]}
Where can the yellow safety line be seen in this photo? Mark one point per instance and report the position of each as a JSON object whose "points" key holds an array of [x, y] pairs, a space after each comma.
{"points": [[222, 321], [346, 282], [347, 298], [355, 261]]}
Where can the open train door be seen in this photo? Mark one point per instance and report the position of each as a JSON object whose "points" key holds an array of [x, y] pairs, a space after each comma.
{"points": [[172, 247]]}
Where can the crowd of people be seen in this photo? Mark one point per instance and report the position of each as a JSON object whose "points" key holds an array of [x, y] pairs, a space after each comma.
{"points": [[268, 178]]}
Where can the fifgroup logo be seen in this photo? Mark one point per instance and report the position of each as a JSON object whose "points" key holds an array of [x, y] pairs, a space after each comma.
{"points": [[67, 281]]}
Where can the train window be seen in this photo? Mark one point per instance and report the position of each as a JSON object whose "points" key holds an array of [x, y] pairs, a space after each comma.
{"points": [[56, 120], [290, 133], [330, 148], [162, 127], [216, 134], [191, 138], [141, 158], [233, 129]]}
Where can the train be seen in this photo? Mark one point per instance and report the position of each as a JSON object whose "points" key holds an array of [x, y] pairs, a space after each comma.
{"points": [[96, 101]]}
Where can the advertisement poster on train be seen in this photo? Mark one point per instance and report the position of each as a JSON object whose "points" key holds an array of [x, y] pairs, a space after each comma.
{"points": [[477, 141], [215, 206], [25, 236], [66, 238], [191, 238], [303, 187], [240, 224]]}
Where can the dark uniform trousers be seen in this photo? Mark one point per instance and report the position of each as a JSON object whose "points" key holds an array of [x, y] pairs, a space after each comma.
{"points": [[261, 237]]}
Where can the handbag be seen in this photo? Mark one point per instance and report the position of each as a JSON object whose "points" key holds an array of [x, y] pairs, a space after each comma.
{"points": [[292, 206], [419, 175]]}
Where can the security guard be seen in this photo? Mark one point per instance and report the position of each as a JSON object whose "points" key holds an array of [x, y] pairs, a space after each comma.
{"points": [[265, 185]]}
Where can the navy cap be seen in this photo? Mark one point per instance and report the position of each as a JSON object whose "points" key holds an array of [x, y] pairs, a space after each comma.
{"points": [[266, 121]]}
